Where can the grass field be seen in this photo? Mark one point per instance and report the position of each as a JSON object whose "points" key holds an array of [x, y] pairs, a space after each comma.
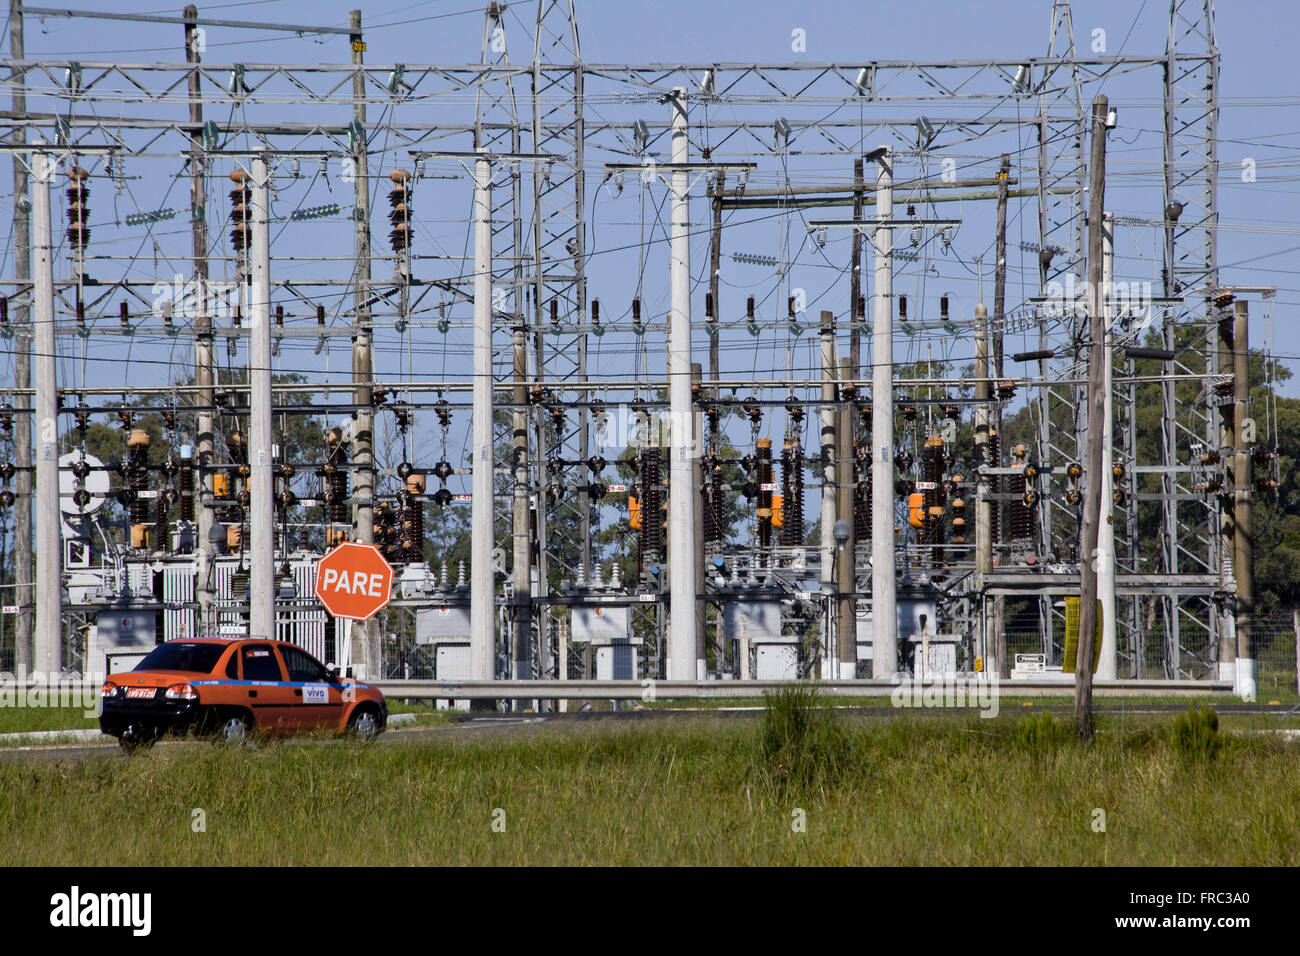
{"points": [[912, 790], [15, 720]]}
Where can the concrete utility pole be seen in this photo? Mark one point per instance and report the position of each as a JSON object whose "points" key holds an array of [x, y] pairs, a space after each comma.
{"points": [[261, 458], [1108, 664], [519, 524], [697, 507], [49, 550], [203, 377], [829, 501], [681, 511], [365, 634], [1096, 413], [482, 513], [846, 582], [884, 606], [983, 487], [1243, 495], [715, 272], [23, 570], [855, 281]]}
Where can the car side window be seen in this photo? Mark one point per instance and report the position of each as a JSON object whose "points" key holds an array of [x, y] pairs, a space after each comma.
{"points": [[260, 663], [232, 667], [302, 666]]}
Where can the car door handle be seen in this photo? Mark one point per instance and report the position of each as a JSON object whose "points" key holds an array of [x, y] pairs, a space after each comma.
{"points": [[297, 692], [252, 693]]}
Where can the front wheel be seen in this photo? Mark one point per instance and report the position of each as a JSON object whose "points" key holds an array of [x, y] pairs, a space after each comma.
{"points": [[363, 726]]}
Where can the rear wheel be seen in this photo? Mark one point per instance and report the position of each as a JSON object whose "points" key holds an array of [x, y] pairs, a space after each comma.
{"points": [[234, 730], [363, 725], [136, 738]]}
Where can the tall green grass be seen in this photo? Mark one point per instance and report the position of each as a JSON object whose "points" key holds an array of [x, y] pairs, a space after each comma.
{"points": [[804, 745], [912, 790]]}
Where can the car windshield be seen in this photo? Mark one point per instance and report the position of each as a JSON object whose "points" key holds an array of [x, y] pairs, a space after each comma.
{"points": [[183, 656]]}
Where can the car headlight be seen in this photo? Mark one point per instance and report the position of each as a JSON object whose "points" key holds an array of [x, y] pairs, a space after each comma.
{"points": [[182, 692]]}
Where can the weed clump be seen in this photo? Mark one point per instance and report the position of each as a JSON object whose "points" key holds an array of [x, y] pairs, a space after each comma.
{"points": [[1042, 734], [1196, 736], [803, 744]]}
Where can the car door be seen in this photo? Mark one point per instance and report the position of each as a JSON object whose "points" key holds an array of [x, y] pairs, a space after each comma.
{"points": [[317, 703], [264, 688]]}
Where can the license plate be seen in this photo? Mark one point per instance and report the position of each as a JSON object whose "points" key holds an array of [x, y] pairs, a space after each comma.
{"points": [[146, 693]]}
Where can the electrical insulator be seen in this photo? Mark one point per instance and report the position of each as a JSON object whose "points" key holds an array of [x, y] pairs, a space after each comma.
{"points": [[399, 197], [862, 495], [187, 484], [413, 518], [1021, 514], [794, 408], [933, 496], [442, 408], [650, 539], [764, 509], [792, 494], [958, 513], [240, 199], [78, 211], [162, 514], [335, 474], [137, 481]]}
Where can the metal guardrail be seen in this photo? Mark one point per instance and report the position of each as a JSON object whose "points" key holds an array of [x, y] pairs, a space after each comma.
{"points": [[648, 690], [76, 691]]}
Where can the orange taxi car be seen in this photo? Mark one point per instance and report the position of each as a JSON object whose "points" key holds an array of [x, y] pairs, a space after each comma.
{"points": [[231, 688]]}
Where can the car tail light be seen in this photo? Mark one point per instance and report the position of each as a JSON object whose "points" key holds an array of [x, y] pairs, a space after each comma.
{"points": [[182, 692], [109, 689]]}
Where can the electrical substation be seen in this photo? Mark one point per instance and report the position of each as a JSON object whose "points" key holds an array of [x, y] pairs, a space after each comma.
{"points": [[710, 371]]}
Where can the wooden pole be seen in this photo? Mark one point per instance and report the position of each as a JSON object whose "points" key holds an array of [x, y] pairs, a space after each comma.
{"points": [[1096, 413]]}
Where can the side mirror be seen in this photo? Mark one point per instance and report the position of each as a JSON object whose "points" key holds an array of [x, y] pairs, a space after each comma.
{"points": [[332, 673]]}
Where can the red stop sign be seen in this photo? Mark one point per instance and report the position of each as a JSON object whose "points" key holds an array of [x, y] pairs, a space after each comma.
{"points": [[354, 581]]}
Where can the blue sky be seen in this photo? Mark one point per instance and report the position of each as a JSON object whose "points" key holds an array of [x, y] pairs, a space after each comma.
{"points": [[1260, 120]]}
